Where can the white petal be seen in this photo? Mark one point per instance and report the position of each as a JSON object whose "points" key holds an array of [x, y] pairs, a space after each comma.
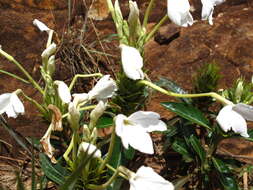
{"points": [[229, 119], [133, 135], [10, 111], [132, 62], [80, 97], [42, 27], [49, 51], [150, 121], [5, 100], [89, 149], [105, 88], [63, 91], [207, 10], [244, 110], [18, 106], [179, 12], [147, 179], [119, 130]]}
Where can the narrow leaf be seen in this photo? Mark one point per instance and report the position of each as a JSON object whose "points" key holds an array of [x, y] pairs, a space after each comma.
{"points": [[197, 147], [228, 182], [50, 171], [220, 165], [188, 112]]}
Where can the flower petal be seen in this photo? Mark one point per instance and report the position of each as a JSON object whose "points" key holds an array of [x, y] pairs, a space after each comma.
{"points": [[179, 12], [89, 149], [134, 135], [207, 10], [150, 121], [244, 110], [105, 88], [146, 178], [5, 100], [132, 62], [42, 27], [229, 119], [63, 91], [18, 106]]}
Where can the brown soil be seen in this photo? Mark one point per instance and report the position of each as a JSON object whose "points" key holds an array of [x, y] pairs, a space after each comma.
{"points": [[229, 43]]}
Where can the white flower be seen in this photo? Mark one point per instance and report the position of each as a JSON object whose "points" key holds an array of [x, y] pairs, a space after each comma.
{"points": [[11, 105], [179, 12], [63, 91], [146, 178], [89, 149], [41, 26], [48, 51], [132, 62], [105, 88], [208, 8], [133, 130], [229, 119]]}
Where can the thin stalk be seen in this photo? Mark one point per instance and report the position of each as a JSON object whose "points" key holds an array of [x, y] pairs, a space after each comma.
{"points": [[122, 173], [169, 93], [14, 76], [82, 109], [157, 26], [105, 185], [179, 184], [66, 154], [29, 77], [147, 13], [82, 76], [110, 151], [42, 110]]}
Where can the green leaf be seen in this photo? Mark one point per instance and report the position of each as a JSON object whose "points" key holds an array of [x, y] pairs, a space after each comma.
{"points": [[197, 147], [116, 161], [180, 147], [228, 182], [188, 112], [172, 86], [104, 122], [50, 171], [71, 180], [220, 165]]}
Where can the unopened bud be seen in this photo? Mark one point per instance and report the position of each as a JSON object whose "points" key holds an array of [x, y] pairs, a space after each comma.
{"points": [[51, 65]]}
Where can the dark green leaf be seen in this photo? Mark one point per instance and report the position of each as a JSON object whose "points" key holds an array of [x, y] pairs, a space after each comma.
{"points": [[220, 165], [50, 171], [188, 112], [129, 153], [228, 182], [104, 122], [172, 86], [116, 161], [180, 147], [197, 147]]}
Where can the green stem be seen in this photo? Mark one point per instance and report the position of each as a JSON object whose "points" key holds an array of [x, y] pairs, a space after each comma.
{"points": [[42, 110], [66, 154], [122, 172], [11, 59], [105, 185], [109, 153], [147, 13], [75, 144], [14, 76], [82, 76], [169, 93], [157, 26], [179, 184], [82, 109]]}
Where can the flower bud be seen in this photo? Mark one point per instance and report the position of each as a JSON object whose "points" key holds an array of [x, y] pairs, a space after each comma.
{"points": [[89, 149], [74, 116], [51, 65], [97, 112]]}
